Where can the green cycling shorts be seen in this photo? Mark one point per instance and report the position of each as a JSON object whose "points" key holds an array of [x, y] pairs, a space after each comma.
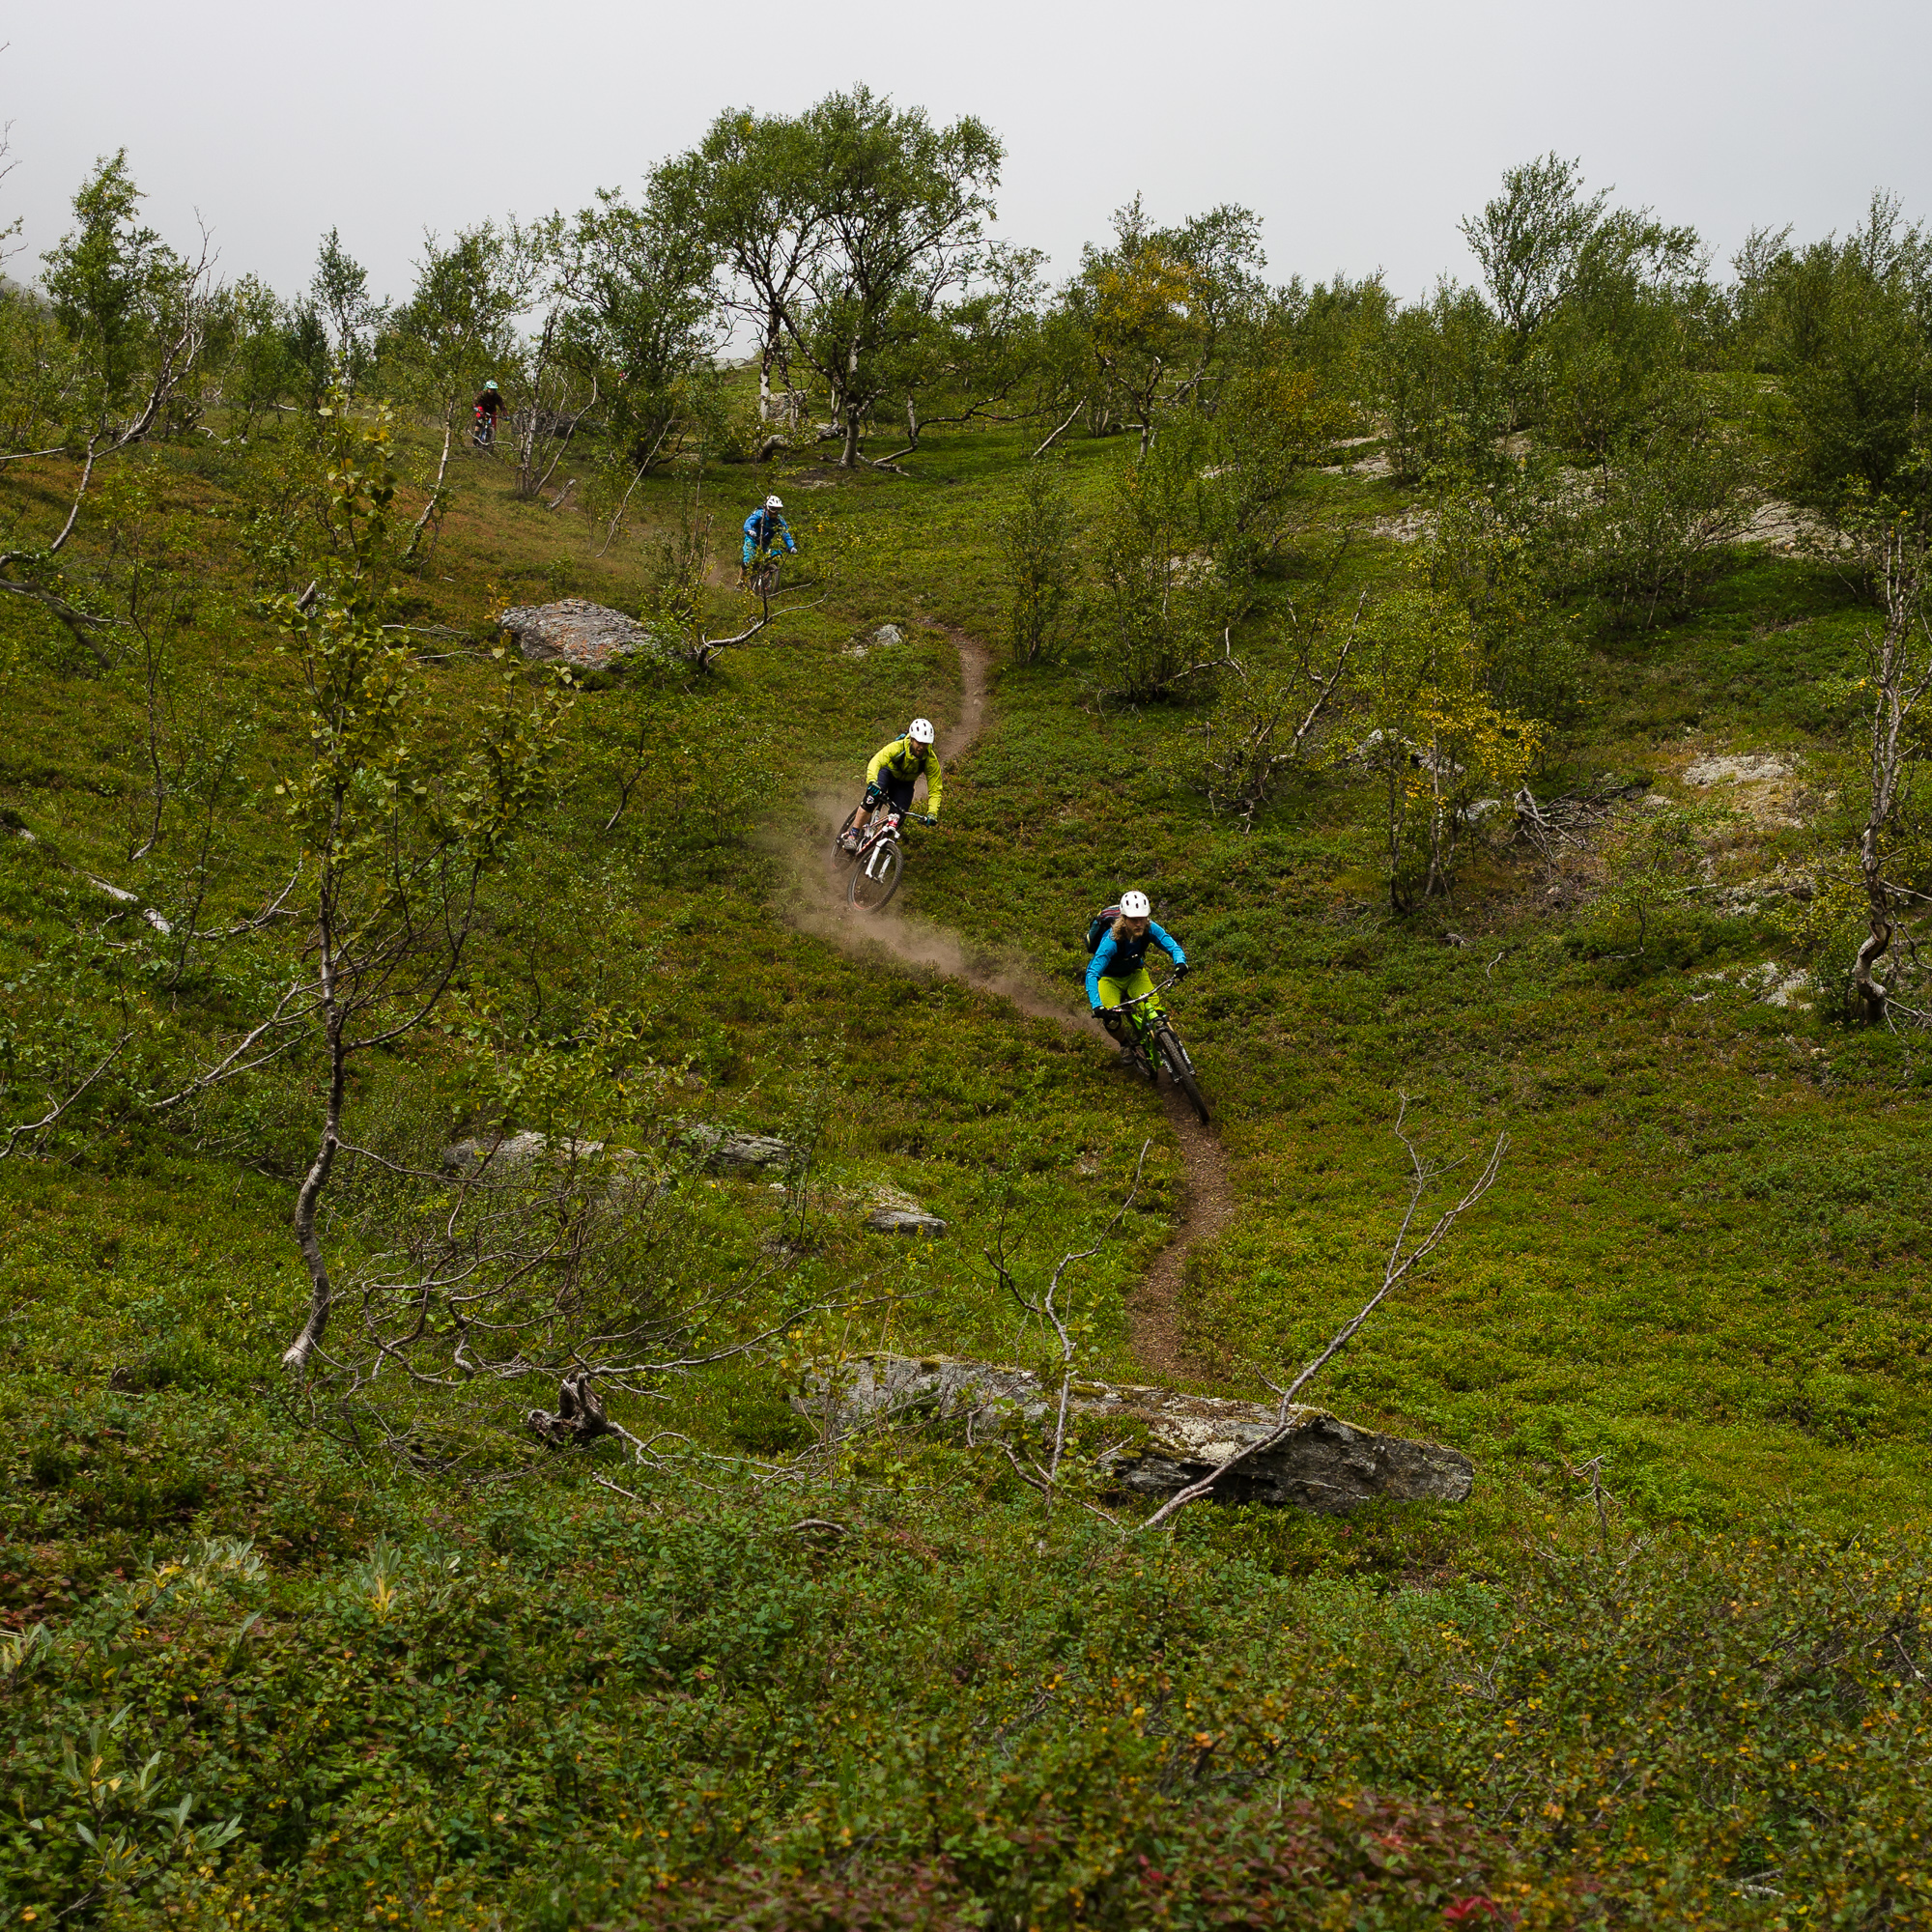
{"points": [[1114, 991]]}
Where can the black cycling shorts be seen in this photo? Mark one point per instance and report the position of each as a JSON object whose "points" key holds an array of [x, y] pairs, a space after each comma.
{"points": [[897, 790]]}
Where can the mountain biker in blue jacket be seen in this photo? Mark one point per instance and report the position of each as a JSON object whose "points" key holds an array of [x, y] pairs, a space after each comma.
{"points": [[764, 529], [1117, 968]]}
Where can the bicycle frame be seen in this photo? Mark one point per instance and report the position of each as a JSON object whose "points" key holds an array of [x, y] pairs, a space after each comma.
{"points": [[1138, 1021], [1153, 1034], [885, 824]]}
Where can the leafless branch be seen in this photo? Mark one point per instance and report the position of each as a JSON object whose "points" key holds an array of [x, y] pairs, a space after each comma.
{"points": [[282, 1021], [79, 623], [28, 1128], [1048, 1311], [1073, 415], [1401, 1264]]}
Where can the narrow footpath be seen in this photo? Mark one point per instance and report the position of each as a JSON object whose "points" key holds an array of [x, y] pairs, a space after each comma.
{"points": [[1208, 1200]]}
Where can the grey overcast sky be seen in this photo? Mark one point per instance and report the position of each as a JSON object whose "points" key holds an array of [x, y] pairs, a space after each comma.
{"points": [[1359, 132]]}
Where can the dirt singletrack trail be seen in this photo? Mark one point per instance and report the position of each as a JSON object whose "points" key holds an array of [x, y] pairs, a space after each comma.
{"points": [[1207, 1198]]}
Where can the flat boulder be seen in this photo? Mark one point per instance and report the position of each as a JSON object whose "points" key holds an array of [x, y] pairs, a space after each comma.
{"points": [[741, 1154], [504, 1154], [1171, 1439], [589, 635], [913, 1221]]}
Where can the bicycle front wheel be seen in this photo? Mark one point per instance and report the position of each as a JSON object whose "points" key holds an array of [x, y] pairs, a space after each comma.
{"points": [[878, 878], [1181, 1070]]}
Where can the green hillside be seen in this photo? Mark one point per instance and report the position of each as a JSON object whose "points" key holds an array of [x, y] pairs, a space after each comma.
{"points": [[352, 1642]]}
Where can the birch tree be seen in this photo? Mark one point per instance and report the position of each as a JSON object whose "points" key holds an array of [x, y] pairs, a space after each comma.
{"points": [[1898, 676], [752, 187], [399, 825], [902, 206], [457, 325]]}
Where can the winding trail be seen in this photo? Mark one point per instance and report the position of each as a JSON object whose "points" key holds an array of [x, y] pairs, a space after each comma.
{"points": [[1208, 1198]]}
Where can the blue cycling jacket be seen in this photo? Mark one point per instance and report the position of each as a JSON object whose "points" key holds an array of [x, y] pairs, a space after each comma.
{"points": [[1121, 959], [764, 527]]}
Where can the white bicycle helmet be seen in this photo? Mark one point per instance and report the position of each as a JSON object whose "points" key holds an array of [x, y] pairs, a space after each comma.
{"points": [[773, 503], [1135, 905], [919, 730]]}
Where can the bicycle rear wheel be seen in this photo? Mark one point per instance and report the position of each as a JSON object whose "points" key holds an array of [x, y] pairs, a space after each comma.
{"points": [[876, 877], [1181, 1070]]}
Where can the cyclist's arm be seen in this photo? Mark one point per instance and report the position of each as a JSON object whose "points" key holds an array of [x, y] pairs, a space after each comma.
{"points": [[784, 530], [879, 758], [934, 780], [1096, 968], [1167, 943]]}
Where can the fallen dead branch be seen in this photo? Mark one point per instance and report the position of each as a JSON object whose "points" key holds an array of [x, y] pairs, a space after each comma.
{"points": [[1402, 1262]]}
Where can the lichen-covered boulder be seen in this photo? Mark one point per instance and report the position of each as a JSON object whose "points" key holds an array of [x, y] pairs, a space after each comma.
{"points": [[912, 1221], [721, 1147], [589, 635], [1166, 1440]]}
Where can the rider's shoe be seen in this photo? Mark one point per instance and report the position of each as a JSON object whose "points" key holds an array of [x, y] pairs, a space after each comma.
{"points": [[848, 840], [1129, 1057]]}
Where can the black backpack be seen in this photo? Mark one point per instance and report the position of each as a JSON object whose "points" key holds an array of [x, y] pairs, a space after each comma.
{"points": [[1098, 925]]}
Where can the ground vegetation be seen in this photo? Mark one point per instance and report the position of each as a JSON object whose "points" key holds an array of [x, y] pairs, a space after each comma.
{"points": [[1514, 703]]}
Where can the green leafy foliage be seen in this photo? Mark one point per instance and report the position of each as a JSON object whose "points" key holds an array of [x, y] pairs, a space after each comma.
{"points": [[1663, 1667]]}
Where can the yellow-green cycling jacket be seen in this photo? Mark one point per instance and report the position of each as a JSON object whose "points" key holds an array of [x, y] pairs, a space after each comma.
{"points": [[902, 762]]}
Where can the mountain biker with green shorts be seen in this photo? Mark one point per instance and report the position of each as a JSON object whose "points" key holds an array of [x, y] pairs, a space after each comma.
{"points": [[891, 776], [1117, 970]]}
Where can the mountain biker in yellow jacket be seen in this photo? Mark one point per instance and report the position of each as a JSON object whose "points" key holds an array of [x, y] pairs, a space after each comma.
{"points": [[891, 776]]}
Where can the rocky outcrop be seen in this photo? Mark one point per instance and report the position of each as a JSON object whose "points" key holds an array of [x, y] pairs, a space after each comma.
{"points": [[912, 1221], [589, 635], [504, 1154], [1163, 1440], [716, 1146], [882, 639], [741, 1154]]}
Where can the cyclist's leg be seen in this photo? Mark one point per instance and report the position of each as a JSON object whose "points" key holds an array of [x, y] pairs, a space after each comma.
{"points": [[1124, 1027], [1137, 988], [1110, 991], [874, 797]]}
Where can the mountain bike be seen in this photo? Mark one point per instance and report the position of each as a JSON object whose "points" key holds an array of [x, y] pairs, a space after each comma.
{"points": [[763, 579], [878, 861], [484, 434], [1156, 1044]]}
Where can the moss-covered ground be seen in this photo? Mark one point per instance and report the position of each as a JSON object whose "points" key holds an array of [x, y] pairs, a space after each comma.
{"points": [[531, 1702]]}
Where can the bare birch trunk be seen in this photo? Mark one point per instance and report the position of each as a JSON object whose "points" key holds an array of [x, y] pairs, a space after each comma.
{"points": [[1898, 684], [321, 1293]]}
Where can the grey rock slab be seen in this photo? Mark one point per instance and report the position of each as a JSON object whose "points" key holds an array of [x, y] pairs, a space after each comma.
{"points": [[742, 1152], [1748, 768], [1322, 1463], [513, 1150], [914, 1222], [589, 635]]}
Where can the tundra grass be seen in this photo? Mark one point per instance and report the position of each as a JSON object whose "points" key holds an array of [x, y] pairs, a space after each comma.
{"points": [[1700, 1273]]}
